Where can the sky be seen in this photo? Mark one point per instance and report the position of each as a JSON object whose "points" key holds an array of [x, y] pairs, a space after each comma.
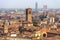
{"points": [[29, 3]]}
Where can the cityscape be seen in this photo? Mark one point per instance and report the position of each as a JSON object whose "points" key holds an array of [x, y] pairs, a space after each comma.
{"points": [[30, 23]]}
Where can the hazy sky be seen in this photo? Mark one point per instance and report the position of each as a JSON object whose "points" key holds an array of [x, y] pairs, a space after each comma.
{"points": [[29, 3]]}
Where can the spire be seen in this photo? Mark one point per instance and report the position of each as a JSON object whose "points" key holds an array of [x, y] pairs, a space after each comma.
{"points": [[36, 6]]}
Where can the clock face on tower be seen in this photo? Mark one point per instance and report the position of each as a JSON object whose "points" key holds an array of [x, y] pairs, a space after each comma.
{"points": [[29, 12]]}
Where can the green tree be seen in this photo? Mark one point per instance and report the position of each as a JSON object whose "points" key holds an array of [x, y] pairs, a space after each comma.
{"points": [[35, 24], [59, 21], [21, 28]]}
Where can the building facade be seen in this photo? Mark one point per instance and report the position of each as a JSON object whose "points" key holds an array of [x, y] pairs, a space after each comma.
{"points": [[29, 15]]}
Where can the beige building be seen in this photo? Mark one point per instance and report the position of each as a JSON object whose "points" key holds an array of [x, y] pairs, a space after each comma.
{"points": [[52, 20]]}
